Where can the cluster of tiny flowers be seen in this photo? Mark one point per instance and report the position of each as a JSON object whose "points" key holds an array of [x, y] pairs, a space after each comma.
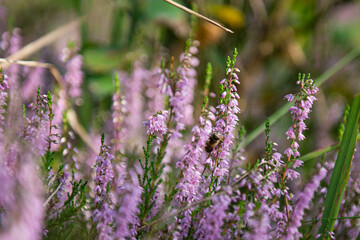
{"points": [[103, 214], [12, 43], [132, 87], [61, 193], [210, 226], [163, 81], [119, 109], [190, 165], [6, 200], [302, 202], [69, 150], [156, 125], [74, 75], [37, 126], [126, 220], [3, 101], [258, 224], [28, 224], [155, 99], [33, 79], [300, 112], [184, 94], [227, 118], [262, 190]]}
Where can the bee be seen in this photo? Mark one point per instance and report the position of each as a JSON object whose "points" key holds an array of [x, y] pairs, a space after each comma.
{"points": [[214, 140]]}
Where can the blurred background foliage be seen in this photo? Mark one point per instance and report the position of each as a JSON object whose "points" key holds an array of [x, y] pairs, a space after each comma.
{"points": [[276, 39]]}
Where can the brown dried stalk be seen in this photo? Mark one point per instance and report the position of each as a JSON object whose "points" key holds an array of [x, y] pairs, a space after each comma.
{"points": [[198, 15]]}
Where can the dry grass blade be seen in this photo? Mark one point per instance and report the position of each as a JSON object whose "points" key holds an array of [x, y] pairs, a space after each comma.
{"points": [[54, 71], [198, 15], [40, 43]]}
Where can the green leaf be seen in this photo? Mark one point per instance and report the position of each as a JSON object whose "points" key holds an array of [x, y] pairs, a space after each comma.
{"points": [[341, 172]]}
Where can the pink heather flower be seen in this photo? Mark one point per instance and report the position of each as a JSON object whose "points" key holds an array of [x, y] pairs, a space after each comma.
{"points": [[14, 107], [126, 219], [24, 215], [133, 86], [259, 228], [5, 38], [103, 213], [154, 93], [300, 112], [156, 125], [210, 226], [289, 97], [37, 126], [226, 122], [74, 76], [302, 201], [183, 94], [61, 194], [59, 108], [33, 80], [7, 198], [119, 111], [190, 164], [14, 45], [163, 81], [3, 102]]}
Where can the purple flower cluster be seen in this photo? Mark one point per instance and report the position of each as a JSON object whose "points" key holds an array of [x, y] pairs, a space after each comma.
{"points": [[37, 126], [126, 220], [180, 88], [119, 109], [74, 75], [183, 96], [190, 165], [132, 87], [302, 201], [210, 226], [34, 79], [103, 213], [153, 92], [3, 102], [156, 125], [28, 224], [300, 112], [226, 119], [11, 43]]}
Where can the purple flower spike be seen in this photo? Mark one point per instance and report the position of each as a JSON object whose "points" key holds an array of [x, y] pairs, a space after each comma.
{"points": [[126, 218], [156, 125], [303, 200], [210, 226], [103, 213], [299, 113]]}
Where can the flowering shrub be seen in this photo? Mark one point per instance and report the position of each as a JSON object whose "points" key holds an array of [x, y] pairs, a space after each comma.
{"points": [[191, 180]]}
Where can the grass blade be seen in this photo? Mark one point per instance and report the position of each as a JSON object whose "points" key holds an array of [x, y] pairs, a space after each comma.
{"points": [[341, 172]]}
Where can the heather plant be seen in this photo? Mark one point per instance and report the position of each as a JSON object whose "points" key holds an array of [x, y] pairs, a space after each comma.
{"points": [[163, 169]]}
